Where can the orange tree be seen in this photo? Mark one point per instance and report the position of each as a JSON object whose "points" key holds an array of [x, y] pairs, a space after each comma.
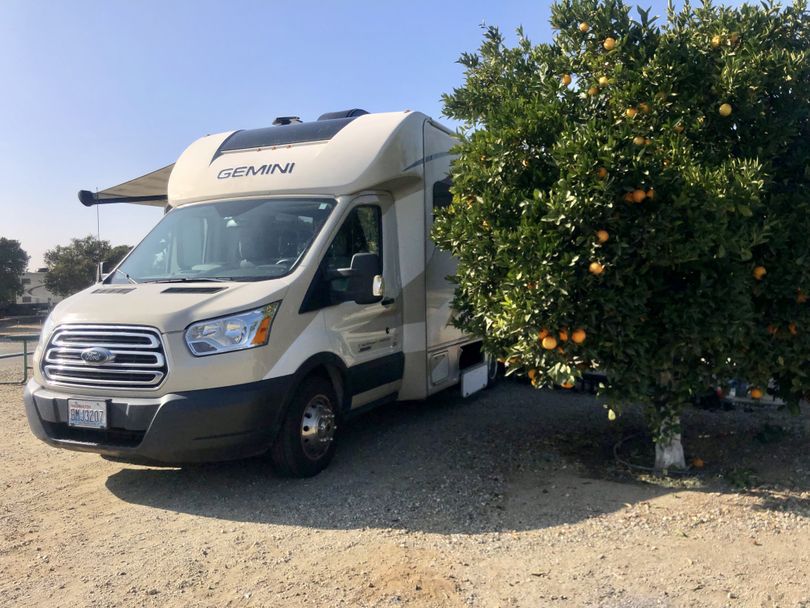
{"points": [[635, 198]]}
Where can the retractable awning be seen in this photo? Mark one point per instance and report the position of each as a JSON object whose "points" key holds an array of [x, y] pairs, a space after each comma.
{"points": [[149, 189]]}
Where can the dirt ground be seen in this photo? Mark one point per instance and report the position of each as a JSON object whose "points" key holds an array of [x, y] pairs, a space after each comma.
{"points": [[510, 498]]}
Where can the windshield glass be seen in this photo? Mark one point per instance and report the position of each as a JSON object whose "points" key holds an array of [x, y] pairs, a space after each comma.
{"points": [[245, 240]]}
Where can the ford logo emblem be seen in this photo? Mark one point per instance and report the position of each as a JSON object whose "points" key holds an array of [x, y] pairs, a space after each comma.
{"points": [[96, 356]]}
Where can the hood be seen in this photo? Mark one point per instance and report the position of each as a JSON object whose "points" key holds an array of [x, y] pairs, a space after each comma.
{"points": [[170, 307]]}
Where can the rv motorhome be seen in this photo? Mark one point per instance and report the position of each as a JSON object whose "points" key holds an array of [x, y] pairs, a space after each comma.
{"points": [[291, 284]]}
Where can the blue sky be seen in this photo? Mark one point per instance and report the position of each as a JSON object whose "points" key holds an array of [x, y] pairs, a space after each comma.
{"points": [[98, 92]]}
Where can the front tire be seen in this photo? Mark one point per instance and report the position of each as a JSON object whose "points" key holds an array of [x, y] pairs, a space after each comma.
{"points": [[306, 442]]}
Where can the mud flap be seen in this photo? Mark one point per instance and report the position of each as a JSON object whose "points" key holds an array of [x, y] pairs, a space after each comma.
{"points": [[473, 379]]}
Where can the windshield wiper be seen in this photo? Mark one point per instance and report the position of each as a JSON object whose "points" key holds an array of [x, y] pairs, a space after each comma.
{"points": [[192, 280], [126, 276], [251, 279]]}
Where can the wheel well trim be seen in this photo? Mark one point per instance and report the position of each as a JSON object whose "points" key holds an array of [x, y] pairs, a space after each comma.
{"points": [[336, 372]]}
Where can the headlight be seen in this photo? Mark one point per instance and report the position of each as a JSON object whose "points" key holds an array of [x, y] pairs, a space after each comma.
{"points": [[45, 332], [236, 332]]}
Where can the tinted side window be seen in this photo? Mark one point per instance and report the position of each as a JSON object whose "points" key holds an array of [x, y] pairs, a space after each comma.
{"points": [[441, 194], [360, 233]]}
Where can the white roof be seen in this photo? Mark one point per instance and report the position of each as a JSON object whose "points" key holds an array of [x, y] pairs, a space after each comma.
{"points": [[334, 156], [366, 152]]}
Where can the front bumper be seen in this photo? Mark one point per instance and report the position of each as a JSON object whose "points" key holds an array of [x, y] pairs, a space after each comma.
{"points": [[205, 425]]}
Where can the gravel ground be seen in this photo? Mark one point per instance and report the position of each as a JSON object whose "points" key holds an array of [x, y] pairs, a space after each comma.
{"points": [[510, 498]]}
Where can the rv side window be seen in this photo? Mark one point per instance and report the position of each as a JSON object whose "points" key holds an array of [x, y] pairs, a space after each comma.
{"points": [[441, 195]]}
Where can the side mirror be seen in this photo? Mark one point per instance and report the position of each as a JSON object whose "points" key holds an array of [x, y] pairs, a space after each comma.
{"points": [[361, 275]]}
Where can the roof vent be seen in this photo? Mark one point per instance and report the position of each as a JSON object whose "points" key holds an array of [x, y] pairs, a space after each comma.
{"points": [[354, 112], [286, 120]]}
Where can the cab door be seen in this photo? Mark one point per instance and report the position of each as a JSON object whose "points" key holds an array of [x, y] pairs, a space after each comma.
{"points": [[366, 335]]}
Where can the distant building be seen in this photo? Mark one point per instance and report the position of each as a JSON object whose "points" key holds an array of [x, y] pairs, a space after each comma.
{"points": [[35, 295]]}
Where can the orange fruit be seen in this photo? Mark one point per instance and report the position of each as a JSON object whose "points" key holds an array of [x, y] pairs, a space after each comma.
{"points": [[563, 335], [772, 329], [584, 27], [603, 81], [647, 141], [532, 373], [651, 193], [756, 393], [698, 463], [609, 43], [644, 107], [530, 285], [549, 342], [593, 91], [639, 140], [716, 41], [678, 128], [725, 110], [759, 272], [579, 336], [602, 172], [543, 333], [801, 297], [630, 112], [628, 197], [793, 329], [639, 195], [596, 268], [567, 385], [602, 236], [566, 79]]}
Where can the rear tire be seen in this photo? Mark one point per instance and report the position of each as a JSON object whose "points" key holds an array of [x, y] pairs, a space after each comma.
{"points": [[306, 442], [493, 370]]}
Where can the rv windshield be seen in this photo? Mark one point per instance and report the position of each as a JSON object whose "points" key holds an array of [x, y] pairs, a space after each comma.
{"points": [[244, 240]]}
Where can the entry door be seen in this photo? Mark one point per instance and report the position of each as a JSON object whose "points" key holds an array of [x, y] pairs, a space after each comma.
{"points": [[368, 336]]}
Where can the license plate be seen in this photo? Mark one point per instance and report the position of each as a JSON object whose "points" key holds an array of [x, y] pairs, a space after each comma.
{"points": [[88, 414]]}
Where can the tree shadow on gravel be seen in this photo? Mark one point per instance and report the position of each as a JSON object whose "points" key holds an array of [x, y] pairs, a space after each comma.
{"points": [[508, 459]]}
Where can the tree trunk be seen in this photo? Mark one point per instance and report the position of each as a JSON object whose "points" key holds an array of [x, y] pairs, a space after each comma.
{"points": [[669, 453]]}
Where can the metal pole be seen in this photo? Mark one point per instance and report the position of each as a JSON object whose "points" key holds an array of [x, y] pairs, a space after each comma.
{"points": [[25, 361]]}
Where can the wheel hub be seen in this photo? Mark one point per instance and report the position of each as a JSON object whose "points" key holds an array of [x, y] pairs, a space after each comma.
{"points": [[317, 427]]}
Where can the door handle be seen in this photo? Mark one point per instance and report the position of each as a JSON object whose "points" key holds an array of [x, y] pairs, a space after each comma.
{"points": [[387, 301]]}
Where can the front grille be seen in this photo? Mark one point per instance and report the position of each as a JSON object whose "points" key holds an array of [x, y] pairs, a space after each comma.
{"points": [[138, 359]]}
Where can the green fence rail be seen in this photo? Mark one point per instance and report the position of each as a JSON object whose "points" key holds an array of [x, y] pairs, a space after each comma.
{"points": [[25, 339]]}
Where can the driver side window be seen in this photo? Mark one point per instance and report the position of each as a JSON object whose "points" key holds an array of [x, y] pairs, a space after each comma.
{"points": [[360, 233]]}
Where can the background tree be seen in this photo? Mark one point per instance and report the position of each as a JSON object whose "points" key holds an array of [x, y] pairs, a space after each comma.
{"points": [[636, 199], [71, 268], [13, 262]]}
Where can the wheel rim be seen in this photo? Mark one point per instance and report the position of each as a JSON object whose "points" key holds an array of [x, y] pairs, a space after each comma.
{"points": [[317, 427]]}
